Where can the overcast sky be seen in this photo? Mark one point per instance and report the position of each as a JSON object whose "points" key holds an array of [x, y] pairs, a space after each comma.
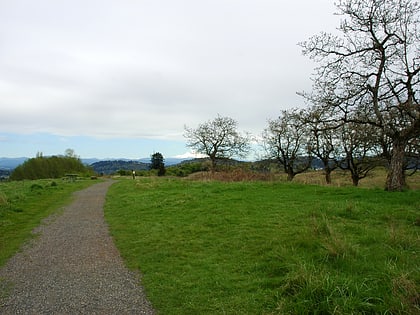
{"points": [[121, 78]]}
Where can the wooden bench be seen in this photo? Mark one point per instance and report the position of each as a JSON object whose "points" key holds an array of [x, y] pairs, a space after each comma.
{"points": [[71, 177]]}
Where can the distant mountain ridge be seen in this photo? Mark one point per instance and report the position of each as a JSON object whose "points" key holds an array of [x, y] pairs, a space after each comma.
{"points": [[111, 167], [9, 164]]}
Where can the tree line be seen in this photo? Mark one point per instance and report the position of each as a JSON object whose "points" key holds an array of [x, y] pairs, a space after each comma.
{"points": [[363, 109], [50, 167]]}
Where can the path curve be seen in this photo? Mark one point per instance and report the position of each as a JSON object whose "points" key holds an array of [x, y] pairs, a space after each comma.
{"points": [[73, 267]]}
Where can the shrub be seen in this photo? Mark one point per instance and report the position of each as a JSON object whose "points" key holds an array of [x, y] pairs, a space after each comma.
{"points": [[185, 169], [36, 187]]}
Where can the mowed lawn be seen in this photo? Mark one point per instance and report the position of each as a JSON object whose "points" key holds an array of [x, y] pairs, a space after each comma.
{"points": [[207, 247]]}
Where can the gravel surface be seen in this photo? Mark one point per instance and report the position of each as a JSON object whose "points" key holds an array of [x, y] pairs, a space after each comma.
{"points": [[73, 266]]}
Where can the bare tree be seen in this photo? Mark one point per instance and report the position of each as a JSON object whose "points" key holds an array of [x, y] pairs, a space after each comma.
{"points": [[373, 68], [358, 145], [324, 142], [218, 139], [286, 141], [412, 164], [71, 153]]}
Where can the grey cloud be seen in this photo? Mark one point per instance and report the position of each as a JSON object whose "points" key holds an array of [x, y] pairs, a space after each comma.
{"points": [[146, 68]]}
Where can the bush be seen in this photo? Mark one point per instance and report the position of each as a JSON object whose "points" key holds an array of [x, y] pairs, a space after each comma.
{"points": [[185, 169], [35, 187], [124, 172]]}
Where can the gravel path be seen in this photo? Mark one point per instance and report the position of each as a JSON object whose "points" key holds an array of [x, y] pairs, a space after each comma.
{"points": [[73, 267]]}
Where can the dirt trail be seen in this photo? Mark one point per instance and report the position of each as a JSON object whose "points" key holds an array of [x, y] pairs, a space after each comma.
{"points": [[73, 267]]}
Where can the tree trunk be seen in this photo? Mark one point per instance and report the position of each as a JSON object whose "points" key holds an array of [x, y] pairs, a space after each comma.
{"points": [[328, 175], [213, 164], [290, 174], [355, 179], [396, 178]]}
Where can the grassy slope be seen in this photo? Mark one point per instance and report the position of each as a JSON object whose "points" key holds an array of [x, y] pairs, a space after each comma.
{"points": [[24, 204], [262, 248]]}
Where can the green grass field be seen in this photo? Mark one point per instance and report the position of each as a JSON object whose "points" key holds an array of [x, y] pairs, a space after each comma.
{"points": [[23, 204], [208, 247]]}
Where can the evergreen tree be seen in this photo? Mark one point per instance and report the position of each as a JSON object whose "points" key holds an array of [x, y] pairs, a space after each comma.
{"points": [[158, 163]]}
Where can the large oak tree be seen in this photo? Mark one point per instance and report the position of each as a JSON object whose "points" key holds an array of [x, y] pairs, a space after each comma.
{"points": [[372, 68], [218, 139], [286, 140]]}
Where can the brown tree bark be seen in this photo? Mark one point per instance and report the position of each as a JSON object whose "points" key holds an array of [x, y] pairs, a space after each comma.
{"points": [[396, 178], [328, 175]]}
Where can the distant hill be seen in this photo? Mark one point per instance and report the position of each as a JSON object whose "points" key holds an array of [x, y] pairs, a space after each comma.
{"points": [[11, 163], [111, 167], [108, 166], [168, 161]]}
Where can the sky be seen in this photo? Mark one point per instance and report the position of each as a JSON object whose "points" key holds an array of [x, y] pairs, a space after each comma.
{"points": [[122, 79]]}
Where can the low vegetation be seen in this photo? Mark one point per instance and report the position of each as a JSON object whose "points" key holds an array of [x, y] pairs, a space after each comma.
{"points": [[23, 204], [254, 247]]}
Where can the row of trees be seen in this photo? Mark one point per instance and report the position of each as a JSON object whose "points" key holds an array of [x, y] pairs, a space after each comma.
{"points": [[299, 135], [368, 78], [364, 107]]}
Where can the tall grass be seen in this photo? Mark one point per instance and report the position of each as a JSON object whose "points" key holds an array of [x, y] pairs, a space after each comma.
{"points": [[267, 247], [375, 179]]}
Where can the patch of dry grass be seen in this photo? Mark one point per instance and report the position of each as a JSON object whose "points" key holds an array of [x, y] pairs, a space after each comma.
{"points": [[234, 175], [376, 179]]}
